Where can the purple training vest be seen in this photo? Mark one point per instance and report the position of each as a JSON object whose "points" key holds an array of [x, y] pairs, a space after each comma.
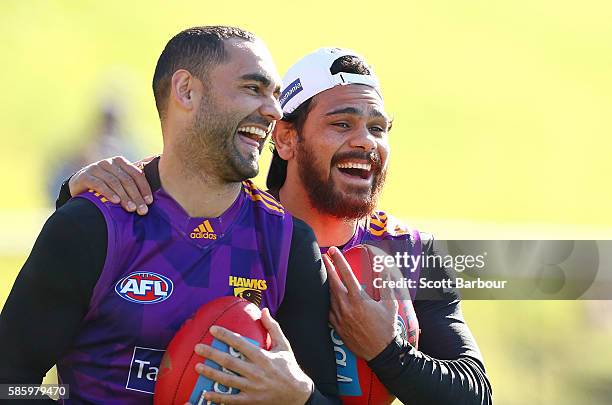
{"points": [[159, 269]]}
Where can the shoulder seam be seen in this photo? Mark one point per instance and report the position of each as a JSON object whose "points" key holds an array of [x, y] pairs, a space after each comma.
{"points": [[262, 199]]}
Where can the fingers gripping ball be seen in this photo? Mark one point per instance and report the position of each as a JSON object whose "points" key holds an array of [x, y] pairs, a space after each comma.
{"points": [[178, 382], [357, 383]]}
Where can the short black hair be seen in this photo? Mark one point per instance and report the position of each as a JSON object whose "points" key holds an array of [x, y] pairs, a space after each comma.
{"points": [[278, 168], [195, 49]]}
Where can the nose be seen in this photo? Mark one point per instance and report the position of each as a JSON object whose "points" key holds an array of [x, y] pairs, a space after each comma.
{"points": [[363, 139], [271, 108]]}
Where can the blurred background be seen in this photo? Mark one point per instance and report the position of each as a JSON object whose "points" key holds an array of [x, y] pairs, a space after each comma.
{"points": [[502, 121]]}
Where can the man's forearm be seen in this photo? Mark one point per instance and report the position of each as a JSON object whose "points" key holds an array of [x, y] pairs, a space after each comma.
{"points": [[417, 378]]}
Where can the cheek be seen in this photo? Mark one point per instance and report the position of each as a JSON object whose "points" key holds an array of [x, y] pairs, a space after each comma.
{"points": [[332, 143], [321, 158], [242, 105], [326, 154], [384, 152], [321, 147]]}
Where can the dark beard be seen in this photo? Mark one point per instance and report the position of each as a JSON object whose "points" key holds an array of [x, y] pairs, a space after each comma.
{"points": [[326, 198], [210, 145]]}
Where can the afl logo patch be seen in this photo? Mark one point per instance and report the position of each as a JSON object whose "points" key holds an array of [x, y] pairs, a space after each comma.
{"points": [[144, 287]]}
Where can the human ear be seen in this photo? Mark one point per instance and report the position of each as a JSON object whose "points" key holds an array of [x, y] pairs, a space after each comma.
{"points": [[285, 139], [183, 88]]}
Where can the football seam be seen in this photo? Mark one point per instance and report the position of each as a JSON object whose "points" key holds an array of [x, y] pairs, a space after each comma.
{"points": [[371, 386], [372, 374], [193, 353], [375, 292]]}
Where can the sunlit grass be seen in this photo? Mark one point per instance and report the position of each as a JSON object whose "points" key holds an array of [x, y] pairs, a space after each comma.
{"points": [[501, 115]]}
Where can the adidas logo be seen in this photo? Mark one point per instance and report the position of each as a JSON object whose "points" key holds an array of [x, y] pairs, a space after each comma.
{"points": [[203, 231]]}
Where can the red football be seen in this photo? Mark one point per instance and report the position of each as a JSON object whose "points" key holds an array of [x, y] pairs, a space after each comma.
{"points": [[357, 383], [178, 382]]}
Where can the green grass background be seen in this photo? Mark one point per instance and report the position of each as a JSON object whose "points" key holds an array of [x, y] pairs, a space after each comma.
{"points": [[502, 118]]}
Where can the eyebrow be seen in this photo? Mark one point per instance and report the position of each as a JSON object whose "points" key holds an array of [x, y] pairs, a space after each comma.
{"points": [[345, 110], [356, 111], [258, 77]]}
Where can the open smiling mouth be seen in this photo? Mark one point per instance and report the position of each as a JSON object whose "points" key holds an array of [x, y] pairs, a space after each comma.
{"points": [[252, 132], [252, 135], [354, 169]]}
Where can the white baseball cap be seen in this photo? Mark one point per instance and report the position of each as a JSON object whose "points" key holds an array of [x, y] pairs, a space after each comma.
{"points": [[311, 75]]}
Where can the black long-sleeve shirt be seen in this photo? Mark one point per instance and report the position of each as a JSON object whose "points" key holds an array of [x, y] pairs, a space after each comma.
{"points": [[448, 367], [52, 293]]}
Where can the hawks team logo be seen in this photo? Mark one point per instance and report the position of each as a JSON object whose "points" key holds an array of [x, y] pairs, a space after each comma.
{"points": [[248, 288], [144, 287]]}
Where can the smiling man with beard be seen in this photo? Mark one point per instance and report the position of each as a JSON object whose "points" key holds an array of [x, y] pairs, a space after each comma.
{"points": [[331, 154], [84, 300]]}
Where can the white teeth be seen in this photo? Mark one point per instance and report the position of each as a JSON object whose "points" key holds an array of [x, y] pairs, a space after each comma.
{"points": [[353, 165], [253, 130]]}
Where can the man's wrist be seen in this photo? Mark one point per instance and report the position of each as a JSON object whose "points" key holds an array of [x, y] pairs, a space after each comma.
{"points": [[394, 353], [311, 392]]}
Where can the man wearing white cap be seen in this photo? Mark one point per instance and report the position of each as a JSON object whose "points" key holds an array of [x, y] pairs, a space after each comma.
{"points": [[330, 159]]}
